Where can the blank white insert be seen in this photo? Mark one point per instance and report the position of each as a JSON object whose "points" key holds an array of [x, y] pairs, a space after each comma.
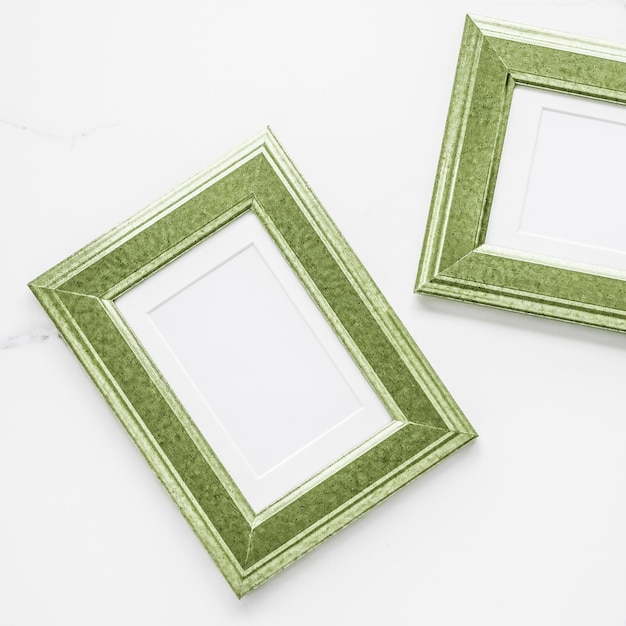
{"points": [[260, 386], [253, 360], [560, 189]]}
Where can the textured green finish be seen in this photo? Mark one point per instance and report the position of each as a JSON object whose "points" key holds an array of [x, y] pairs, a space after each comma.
{"points": [[79, 295], [455, 260]]}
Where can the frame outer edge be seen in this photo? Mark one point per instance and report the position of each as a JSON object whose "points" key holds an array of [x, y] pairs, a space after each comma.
{"points": [[520, 33], [351, 512], [378, 306], [199, 523], [465, 75]]}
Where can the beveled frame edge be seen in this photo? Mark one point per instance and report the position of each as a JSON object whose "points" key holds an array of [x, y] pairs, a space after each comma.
{"points": [[58, 293], [471, 270]]}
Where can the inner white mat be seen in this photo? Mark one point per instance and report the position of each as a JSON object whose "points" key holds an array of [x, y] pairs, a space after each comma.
{"points": [[261, 382], [560, 190], [253, 360]]}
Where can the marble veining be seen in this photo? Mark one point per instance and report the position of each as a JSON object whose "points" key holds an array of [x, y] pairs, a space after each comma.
{"points": [[69, 139], [26, 338]]}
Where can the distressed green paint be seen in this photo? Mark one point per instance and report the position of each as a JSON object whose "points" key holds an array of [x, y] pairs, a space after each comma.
{"points": [[455, 261], [148, 244], [79, 295], [340, 295], [331, 495]]}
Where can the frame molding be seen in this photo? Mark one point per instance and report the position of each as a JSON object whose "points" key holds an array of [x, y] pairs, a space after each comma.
{"points": [[455, 261], [79, 294]]}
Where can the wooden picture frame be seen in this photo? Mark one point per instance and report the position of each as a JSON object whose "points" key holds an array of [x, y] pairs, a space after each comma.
{"points": [[458, 261], [80, 294]]}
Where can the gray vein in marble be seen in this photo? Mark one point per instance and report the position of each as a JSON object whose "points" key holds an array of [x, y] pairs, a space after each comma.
{"points": [[69, 139], [26, 338]]}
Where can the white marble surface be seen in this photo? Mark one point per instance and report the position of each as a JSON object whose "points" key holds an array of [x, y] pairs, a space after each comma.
{"points": [[105, 106]]}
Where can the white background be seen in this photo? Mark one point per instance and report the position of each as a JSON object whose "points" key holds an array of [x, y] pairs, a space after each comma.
{"points": [[104, 107]]}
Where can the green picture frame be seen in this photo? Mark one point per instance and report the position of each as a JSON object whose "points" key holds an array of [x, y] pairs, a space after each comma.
{"points": [[426, 425], [495, 57]]}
